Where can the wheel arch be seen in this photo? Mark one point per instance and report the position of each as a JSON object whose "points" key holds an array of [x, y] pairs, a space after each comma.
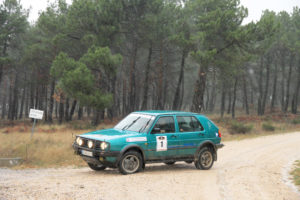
{"points": [[208, 144], [133, 147]]}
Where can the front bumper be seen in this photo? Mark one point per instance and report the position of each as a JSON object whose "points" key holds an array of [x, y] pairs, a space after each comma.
{"points": [[99, 156]]}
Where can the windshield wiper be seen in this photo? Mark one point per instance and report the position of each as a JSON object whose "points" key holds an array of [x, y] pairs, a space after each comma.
{"points": [[128, 126], [143, 127]]}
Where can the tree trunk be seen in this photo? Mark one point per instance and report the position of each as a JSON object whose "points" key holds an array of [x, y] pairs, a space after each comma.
{"points": [[288, 82], [234, 98], [267, 85], [245, 94], [260, 88], [72, 110], [61, 110], [51, 103], [132, 92], [27, 102], [198, 99], [14, 105], [223, 97], [176, 100], [45, 104], [80, 112], [160, 82], [273, 101], [296, 94], [207, 96], [1, 64], [3, 106], [229, 102], [67, 110], [22, 103], [10, 100], [283, 80], [97, 117], [146, 84], [213, 93]]}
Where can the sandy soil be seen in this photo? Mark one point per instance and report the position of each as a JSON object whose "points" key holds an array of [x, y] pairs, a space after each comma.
{"points": [[248, 169]]}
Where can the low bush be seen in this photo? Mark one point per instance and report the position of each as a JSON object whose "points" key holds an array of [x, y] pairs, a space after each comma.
{"points": [[268, 126], [296, 121], [238, 127]]}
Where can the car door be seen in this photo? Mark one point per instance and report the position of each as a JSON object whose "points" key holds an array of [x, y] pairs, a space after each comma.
{"points": [[191, 134], [162, 139]]}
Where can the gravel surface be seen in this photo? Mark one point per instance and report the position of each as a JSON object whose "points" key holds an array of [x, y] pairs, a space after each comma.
{"points": [[249, 169]]}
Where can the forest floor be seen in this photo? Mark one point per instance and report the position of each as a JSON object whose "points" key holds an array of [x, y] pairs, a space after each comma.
{"points": [[254, 168]]}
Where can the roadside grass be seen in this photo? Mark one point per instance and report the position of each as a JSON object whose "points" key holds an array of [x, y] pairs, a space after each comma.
{"points": [[51, 145], [296, 173]]}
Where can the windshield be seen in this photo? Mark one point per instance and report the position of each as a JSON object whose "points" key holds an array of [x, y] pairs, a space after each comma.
{"points": [[135, 122]]}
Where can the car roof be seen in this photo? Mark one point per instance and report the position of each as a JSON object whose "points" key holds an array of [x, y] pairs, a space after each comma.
{"points": [[165, 112]]}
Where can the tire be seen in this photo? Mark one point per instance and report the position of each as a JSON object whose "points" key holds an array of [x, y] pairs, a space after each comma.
{"points": [[205, 159], [170, 163], [96, 167], [131, 162]]}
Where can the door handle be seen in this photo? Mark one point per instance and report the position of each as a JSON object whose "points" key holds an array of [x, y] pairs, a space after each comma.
{"points": [[173, 136]]}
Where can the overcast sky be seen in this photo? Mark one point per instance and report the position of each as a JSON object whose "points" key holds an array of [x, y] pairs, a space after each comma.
{"points": [[255, 7]]}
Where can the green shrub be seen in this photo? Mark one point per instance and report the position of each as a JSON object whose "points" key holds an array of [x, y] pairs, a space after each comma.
{"points": [[296, 121], [268, 127], [237, 127]]}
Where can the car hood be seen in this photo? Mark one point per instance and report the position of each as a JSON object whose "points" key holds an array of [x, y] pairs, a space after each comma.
{"points": [[109, 134]]}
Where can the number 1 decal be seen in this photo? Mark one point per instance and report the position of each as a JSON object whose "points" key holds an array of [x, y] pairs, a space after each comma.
{"points": [[161, 143]]}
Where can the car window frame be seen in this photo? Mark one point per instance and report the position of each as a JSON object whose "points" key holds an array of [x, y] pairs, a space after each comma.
{"points": [[161, 116], [191, 116]]}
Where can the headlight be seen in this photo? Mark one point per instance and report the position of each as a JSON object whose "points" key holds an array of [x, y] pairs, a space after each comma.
{"points": [[79, 141], [90, 144], [103, 145]]}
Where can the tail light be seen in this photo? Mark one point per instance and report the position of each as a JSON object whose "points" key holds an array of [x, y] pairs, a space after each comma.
{"points": [[219, 132]]}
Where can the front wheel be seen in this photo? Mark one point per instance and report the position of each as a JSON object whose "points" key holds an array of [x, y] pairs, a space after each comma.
{"points": [[95, 167], [205, 159], [131, 162]]}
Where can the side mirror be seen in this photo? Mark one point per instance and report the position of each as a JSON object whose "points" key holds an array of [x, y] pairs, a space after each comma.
{"points": [[156, 130]]}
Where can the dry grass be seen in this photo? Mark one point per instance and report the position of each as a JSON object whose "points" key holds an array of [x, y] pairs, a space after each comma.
{"points": [[51, 145], [296, 173]]}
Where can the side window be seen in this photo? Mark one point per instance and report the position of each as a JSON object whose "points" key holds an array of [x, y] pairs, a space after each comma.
{"points": [[189, 124], [164, 125]]}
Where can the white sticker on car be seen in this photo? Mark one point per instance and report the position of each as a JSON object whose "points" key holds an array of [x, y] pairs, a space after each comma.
{"points": [[161, 143], [136, 139]]}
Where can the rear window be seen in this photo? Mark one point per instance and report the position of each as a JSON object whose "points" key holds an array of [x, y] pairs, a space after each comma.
{"points": [[189, 124]]}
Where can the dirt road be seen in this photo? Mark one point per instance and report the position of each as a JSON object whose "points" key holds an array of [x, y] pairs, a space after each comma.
{"points": [[248, 169]]}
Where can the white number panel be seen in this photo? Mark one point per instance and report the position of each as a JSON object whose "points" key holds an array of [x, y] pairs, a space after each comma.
{"points": [[161, 143]]}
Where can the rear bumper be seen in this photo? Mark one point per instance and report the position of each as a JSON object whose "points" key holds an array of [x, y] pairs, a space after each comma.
{"points": [[219, 146]]}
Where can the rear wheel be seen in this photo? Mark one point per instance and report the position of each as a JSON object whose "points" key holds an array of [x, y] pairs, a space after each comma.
{"points": [[95, 167], [205, 159], [170, 163], [131, 162]]}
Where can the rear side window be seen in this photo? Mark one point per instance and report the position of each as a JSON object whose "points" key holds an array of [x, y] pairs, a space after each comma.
{"points": [[188, 124]]}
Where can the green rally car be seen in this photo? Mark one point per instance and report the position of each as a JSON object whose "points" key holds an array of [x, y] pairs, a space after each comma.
{"points": [[151, 136]]}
